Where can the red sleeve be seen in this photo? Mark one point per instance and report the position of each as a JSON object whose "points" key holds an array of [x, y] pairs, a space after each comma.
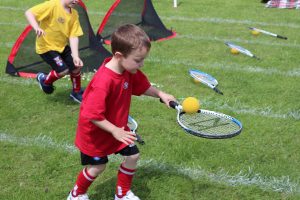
{"points": [[140, 83], [94, 105]]}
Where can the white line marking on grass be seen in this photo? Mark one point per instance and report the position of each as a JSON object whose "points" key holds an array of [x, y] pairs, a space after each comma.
{"points": [[241, 109], [228, 21], [12, 8], [214, 39], [6, 44], [40, 141], [226, 66], [217, 39], [12, 24], [185, 19], [249, 178]]}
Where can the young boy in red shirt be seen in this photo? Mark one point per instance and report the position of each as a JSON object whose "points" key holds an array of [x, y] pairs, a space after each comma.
{"points": [[102, 125], [55, 22]]}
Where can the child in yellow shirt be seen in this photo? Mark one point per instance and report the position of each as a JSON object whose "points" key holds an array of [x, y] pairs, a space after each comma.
{"points": [[56, 23]]}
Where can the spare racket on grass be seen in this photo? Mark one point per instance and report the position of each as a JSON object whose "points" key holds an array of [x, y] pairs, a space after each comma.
{"points": [[206, 79], [133, 125], [207, 124], [267, 33], [241, 49]]}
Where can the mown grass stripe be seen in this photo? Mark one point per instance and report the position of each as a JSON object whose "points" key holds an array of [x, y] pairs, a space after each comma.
{"points": [[237, 107], [237, 40], [226, 66], [189, 19], [12, 24], [248, 178]]}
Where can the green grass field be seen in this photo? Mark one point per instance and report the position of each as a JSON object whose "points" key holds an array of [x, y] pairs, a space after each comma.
{"points": [[37, 156]]}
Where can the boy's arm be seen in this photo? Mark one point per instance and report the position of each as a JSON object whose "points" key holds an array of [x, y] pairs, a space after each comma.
{"points": [[120, 134], [154, 92], [34, 24], [74, 42]]}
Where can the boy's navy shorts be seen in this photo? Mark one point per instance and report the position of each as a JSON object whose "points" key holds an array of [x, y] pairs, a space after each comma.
{"points": [[88, 160], [59, 62]]}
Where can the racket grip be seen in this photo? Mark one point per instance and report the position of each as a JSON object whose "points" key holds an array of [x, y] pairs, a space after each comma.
{"points": [[172, 104], [139, 139], [217, 91], [282, 37]]}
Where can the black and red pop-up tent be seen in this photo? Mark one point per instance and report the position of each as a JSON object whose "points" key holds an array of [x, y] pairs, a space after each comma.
{"points": [[138, 12]]}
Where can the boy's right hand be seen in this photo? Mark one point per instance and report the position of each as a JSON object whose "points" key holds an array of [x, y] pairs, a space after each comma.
{"points": [[39, 32], [121, 135]]}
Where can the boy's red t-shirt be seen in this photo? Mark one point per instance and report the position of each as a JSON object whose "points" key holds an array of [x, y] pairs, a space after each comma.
{"points": [[107, 96]]}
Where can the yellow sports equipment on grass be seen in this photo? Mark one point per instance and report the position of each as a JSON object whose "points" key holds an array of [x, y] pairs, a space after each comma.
{"points": [[254, 32], [234, 51], [190, 105]]}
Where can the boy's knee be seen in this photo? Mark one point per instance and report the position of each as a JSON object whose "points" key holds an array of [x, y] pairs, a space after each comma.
{"points": [[76, 71], [134, 157], [63, 73], [95, 170]]}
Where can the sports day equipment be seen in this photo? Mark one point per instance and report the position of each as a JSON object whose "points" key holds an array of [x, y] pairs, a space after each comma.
{"points": [[241, 49], [207, 124], [206, 79], [234, 51], [132, 124], [190, 105], [267, 33]]}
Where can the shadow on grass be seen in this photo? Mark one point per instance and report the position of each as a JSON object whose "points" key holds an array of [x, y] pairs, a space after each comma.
{"points": [[61, 96], [151, 183]]}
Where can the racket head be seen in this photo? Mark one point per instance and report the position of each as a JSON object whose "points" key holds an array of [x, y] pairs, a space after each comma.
{"points": [[240, 49], [209, 124], [132, 124], [204, 78]]}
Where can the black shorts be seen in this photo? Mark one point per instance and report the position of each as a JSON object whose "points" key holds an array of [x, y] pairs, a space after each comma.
{"points": [[88, 160], [59, 62]]}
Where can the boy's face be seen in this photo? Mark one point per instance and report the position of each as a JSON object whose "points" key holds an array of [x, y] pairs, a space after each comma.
{"points": [[71, 3], [134, 60]]}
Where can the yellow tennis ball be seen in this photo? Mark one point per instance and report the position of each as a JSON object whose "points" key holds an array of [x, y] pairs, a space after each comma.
{"points": [[196, 81], [234, 51], [254, 32], [190, 105]]}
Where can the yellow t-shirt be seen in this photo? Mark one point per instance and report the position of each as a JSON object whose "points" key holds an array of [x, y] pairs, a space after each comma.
{"points": [[58, 25]]}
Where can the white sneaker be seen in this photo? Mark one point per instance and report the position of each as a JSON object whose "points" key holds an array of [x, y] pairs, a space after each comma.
{"points": [[128, 196], [79, 197]]}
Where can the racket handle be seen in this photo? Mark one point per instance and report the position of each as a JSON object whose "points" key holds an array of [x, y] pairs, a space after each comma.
{"points": [[217, 91], [282, 37], [172, 104], [139, 139]]}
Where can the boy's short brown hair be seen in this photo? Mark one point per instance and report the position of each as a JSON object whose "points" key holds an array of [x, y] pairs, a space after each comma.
{"points": [[127, 38]]}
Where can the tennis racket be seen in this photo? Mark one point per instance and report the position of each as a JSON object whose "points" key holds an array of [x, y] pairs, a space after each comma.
{"points": [[133, 125], [241, 49], [268, 33], [207, 124], [206, 79]]}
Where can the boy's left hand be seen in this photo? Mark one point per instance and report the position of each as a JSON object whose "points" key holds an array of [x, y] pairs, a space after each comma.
{"points": [[77, 62]]}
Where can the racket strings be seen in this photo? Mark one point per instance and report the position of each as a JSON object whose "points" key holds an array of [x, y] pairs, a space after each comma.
{"points": [[208, 124], [132, 126], [206, 78]]}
